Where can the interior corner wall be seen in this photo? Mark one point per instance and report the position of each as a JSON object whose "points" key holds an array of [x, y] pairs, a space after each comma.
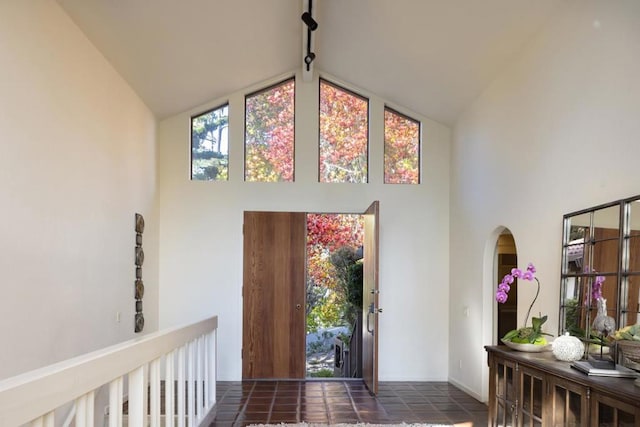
{"points": [[77, 160], [556, 132], [201, 233]]}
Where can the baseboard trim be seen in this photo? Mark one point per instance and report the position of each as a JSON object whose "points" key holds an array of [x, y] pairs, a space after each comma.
{"points": [[466, 390], [211, 415]]}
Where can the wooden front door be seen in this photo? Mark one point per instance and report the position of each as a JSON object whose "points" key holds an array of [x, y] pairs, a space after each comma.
{"points": [[370, 291], [273, 331]]}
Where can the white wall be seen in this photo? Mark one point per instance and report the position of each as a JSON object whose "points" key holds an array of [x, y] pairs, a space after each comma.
{"points": [[77, 160], [556, 132], [201, 233]]}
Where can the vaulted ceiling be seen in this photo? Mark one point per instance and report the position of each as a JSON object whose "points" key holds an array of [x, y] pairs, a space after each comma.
{"points": [[431, 56]]}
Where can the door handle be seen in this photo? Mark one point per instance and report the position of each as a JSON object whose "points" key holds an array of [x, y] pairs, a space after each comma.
{"points": [[372, 310], [369, 313], [298, 306]]}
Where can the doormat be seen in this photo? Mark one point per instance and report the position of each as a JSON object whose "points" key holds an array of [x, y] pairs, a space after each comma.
{"points": [[352, 425]]}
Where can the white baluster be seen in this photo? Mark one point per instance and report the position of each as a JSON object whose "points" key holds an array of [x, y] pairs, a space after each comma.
{"points": [[154, 384], [205, 377], [191, 390], [198, 361], [212, 360], [119, 413], [115, 402], [81, 411], [169, 391], [49, 419], [90, 415], [46, 420], [136, 397], [181, 386]]}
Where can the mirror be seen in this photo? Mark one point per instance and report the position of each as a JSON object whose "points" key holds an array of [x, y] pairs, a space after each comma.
{"points": [[631, 263], [600, 249]]}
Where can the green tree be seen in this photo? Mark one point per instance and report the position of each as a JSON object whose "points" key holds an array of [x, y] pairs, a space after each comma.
{"points": [[209, 153], [348, 268]]}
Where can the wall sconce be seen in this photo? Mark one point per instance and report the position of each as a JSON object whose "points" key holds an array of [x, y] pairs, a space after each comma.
{"points": [[308, 19]]}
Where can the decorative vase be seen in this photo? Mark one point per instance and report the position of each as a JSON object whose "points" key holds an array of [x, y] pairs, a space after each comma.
{"points": [[567, 348]]}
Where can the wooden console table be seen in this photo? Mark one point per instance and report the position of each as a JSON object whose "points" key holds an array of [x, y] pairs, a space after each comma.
{"points": [[535, 389]]}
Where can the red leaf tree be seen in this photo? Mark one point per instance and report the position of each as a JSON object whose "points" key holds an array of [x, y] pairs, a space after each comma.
{"points": [[344, 135], [269, 134]]}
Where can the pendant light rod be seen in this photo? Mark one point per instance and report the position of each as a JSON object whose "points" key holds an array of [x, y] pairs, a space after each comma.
{"points": [[308, 56]]}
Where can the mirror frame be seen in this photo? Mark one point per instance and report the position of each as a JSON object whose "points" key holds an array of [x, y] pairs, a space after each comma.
{"points": [[571, 279]]}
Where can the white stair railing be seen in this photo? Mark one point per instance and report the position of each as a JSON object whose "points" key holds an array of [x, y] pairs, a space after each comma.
{"points": [[188, 354]]}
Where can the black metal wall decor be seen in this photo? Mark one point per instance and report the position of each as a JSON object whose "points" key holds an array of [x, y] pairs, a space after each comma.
{"points": [[139, 286]]}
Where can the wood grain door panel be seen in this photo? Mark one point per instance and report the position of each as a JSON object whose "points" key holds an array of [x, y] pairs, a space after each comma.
{"points": [[274, 295]]}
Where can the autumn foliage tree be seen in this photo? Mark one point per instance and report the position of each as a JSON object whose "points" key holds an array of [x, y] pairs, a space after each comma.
{"points": [[401, 149], [344, 136], [269, 134], [326, 234]]}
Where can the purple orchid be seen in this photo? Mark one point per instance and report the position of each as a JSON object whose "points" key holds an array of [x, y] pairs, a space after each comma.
{"points": [[502, 293], [501, 296], [596, 289], [504, 287]]}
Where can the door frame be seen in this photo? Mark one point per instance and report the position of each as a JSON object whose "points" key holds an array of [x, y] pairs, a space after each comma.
{"points": [[370, 297], [371, 262]]}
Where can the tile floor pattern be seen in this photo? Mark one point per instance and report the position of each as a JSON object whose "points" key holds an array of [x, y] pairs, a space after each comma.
{"points": [[275, 402]]}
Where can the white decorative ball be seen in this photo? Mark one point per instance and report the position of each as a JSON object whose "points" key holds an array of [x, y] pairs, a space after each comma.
{"points": [[567, 348]]}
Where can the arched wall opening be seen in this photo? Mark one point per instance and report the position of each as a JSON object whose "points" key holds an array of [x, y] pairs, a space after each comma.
{"points": [[500, 255]]}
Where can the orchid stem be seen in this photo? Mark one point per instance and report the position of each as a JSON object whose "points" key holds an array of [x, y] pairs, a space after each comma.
{"points": [[526, 319]]}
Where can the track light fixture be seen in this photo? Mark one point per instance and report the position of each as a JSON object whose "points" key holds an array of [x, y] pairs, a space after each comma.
{"points": [[312, 25], [309, 58], [308, 19]]}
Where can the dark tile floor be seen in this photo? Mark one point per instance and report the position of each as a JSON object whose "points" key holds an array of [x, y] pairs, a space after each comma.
{"points": [[275, 402]]}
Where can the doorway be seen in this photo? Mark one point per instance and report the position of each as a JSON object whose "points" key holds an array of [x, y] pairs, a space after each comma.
{"points": [[274, 300], [333, 310], [507, 258]]}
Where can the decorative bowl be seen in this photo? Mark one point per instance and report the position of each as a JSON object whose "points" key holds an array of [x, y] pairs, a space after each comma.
{"points": [[526, 347], [630, 352]]}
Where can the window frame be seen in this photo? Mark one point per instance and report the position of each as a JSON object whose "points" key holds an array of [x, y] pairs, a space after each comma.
{"points": [[322, 80], [384, 145], [293, 152], [195, 116]]}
